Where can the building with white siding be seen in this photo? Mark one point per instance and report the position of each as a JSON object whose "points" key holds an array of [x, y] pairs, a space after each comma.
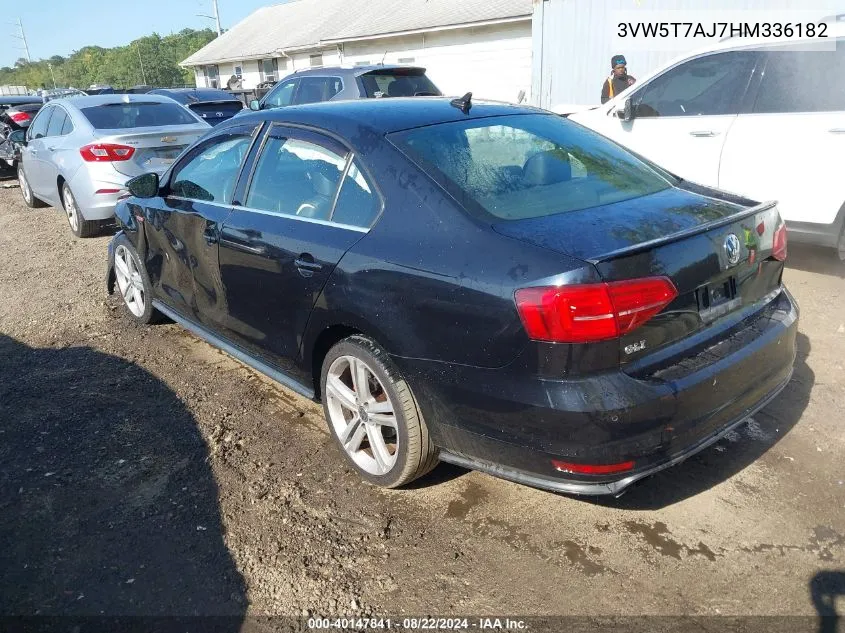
{"points": [[482, 46]]}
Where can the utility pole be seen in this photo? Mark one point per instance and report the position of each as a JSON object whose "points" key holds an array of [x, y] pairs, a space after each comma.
{"points": [[215, 17], [141, 61], [22, 37], [50, 66]]}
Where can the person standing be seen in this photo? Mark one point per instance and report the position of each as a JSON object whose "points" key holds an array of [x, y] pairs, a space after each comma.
{"points": [[619, 79]]}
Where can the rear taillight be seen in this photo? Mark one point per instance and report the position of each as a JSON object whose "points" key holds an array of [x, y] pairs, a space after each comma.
{"points": [[106, 152], [779, 243], [592, 469], [20, 117], [592, 312]]}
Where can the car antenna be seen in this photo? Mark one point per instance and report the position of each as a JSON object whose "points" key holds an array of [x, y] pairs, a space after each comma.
{"points": [[381, 63], [463, 103]]}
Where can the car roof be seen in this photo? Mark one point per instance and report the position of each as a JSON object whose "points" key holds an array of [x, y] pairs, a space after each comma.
{"points": [[96, 100], [18, 99], [352, 71], [385, 115], [194, 95]]}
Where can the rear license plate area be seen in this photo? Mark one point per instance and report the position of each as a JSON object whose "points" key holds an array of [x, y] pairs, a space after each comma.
{"points": [[717, 299]]}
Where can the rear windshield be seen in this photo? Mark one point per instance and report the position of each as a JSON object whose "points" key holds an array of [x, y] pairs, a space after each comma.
{"points": [[398, 84], [118, 116], [528, 166]]}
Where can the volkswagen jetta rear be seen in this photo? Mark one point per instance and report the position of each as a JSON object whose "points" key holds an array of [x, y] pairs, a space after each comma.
{"points": [[670, 329]]}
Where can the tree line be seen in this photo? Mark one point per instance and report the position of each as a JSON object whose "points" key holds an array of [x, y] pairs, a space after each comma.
{"points": [[152, 60]]}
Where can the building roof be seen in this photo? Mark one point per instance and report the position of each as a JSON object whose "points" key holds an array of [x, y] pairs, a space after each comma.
{"points": [[311, 24]]}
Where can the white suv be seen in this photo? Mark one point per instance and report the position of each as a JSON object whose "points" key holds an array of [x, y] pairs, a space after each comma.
{"points": [[761, 119]]}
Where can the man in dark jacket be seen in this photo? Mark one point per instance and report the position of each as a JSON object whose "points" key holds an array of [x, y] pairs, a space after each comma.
{"points": [[618, 80]]}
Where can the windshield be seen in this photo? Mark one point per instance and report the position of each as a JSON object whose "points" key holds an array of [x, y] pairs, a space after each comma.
{"points": [[398, 84], [528, 166], [118, 116]]}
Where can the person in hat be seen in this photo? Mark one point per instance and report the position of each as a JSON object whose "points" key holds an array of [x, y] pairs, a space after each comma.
{"points": [[619, 79]]}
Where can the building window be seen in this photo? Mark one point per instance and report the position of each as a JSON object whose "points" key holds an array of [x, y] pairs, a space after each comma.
{"points": [[239, 72], [211, 75], [366, 63], [406, 60], [268, 69], [282, 64], [316, 60]]}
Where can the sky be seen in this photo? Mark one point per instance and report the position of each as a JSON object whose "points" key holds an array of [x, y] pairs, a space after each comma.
{"points": [[58, 27]]}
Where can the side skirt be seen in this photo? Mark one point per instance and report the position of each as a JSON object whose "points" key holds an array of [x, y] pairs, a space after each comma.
{"points": [[259, 366]]}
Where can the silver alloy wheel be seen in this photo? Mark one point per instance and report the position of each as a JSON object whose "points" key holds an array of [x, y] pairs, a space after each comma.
{"points": [[362, 415], [24, 183], [129, 281], [71, 210]]}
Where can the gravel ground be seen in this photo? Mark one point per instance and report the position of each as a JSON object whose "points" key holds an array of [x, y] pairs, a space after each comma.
{"points": [[144, 472]]}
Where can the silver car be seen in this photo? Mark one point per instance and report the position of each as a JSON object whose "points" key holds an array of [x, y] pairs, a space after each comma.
{"points": [[78, 153]]}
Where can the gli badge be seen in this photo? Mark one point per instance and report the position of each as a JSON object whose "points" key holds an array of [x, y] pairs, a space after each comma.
{"points": [[732, 249]]}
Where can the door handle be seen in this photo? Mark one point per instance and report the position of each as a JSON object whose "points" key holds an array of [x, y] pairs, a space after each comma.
{"points": [[211, 234], [704, 133], [306, 265], [837, 130], [52, 149]]}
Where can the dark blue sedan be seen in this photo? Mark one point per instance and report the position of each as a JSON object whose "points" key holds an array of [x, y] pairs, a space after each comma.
{"points": [[483, 284], [211, 105]]}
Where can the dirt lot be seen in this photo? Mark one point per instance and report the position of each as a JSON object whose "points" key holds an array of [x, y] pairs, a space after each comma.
{"points": [[143, 472]]}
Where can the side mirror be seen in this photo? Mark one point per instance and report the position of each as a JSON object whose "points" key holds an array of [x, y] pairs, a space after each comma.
{"points": [[143, 186], [18, 137], [255, 104], [626, 113]]}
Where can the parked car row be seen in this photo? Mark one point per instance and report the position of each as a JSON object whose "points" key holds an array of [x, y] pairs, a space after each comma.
{"points": [[484, 284], [756, 117]]}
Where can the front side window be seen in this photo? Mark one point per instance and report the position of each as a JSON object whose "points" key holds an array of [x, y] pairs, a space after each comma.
{"points": [[38, 128], [802, 81], [57, 122], [528, 166], [118, 116], [209, 173], [710, 85], [281, 95], [295, 176], [316, 89]]}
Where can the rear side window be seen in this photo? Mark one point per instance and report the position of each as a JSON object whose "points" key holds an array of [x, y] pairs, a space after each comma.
{"points": [[316, 89], [210, 172], [709, 85], [67, 128], [295, 176], [57, 122], [528, 166], [38, 128], [357, 203], [803, 81], [119, 116], [397, 84]]}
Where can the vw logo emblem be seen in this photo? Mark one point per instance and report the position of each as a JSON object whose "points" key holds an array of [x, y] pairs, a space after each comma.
{"points": [[732, 249]]}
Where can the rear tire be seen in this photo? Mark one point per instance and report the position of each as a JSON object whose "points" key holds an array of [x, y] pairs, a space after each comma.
{"points": [[379, 427], [29, 198], [78, 224], [840, 249]]}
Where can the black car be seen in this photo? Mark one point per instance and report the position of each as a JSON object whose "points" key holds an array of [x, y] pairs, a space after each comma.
{"points": [[488, 285], [337, 83], [212, 105]]}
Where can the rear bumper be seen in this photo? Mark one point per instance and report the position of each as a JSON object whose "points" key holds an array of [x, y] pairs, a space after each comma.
{"points": [[98, 206], [513, 427]]}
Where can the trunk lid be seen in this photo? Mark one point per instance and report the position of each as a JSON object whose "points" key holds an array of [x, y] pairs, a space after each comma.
{"points": [[155, 147], [717, 252], [213, 112]]}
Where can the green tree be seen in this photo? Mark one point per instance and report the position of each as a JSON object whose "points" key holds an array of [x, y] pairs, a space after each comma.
{"points": [[119, 66]]}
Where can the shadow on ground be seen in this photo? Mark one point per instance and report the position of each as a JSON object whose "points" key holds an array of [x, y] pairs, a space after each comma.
{"points": [[814, 259], [729, 455], [825, 588], [107, 504]]}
